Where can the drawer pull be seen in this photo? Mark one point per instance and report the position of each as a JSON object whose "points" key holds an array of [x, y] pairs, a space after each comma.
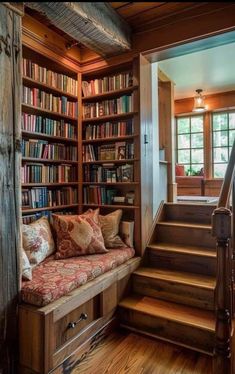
{"points": [[83, 316]]}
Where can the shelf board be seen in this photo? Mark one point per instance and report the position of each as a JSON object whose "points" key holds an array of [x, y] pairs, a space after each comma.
{"points": [[129, 160], [108, 118], [109, 139], [35, 110], [39, 135], [32, 210], [110, 183], [33, 83], [113, 206], [62, 184], [50, 161], [109, 94]]}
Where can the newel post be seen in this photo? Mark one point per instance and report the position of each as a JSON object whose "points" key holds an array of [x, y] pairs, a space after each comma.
{"points": [[221, 229]]}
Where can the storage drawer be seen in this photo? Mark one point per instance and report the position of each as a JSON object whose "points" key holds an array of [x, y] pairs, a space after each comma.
{"points": [[71, 324]]}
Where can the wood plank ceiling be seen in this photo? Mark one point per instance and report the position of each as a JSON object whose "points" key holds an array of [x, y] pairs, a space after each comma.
{"points": [[141, 16]]}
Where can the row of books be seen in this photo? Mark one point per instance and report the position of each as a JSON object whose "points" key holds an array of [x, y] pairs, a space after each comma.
{"points": [[42, 149], [108, 173], [123, 104], [106, 152], [106, 84], [40, 197], [106, 196], [39, 173], [47, 101], [29, 218], [48, 126], [109, 129], [49, 77]]}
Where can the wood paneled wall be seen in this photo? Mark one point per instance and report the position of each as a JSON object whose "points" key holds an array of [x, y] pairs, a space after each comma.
{"points": [[10, 116]]}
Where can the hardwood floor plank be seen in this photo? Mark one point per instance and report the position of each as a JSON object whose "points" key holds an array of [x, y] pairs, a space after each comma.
{"points": [[129, 353]]}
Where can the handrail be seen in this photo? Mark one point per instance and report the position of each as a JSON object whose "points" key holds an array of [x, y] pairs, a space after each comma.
{"points": [[223, 227], [228, 181]]}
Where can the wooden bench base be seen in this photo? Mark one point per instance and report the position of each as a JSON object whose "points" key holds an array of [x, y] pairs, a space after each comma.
{"points": [[47, 342]]}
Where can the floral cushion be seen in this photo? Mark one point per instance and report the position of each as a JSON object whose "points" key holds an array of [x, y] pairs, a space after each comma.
{"points": [[110, 228], [78, 234], [53, 279], [25, 266], [38, 241]]}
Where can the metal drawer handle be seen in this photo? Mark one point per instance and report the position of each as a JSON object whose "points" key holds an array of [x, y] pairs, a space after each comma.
{"points": [[82, 317]]}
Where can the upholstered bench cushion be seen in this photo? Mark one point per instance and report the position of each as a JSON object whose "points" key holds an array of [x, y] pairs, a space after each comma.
{"points": [[55, 278]]}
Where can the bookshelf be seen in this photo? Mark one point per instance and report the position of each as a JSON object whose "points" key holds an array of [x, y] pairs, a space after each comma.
{"points": [[110, 135], [50, 101]]}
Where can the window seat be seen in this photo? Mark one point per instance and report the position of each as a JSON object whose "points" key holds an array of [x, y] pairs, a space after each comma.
{"points": [[53, 279], [69, 306]]}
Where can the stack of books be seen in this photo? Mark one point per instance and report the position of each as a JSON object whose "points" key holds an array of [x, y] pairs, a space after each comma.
{"points": [[40, 197], [42, 149], [107, 152], [106, 84], [39, 173], [123, 104], [109, 173], [109, 130]]}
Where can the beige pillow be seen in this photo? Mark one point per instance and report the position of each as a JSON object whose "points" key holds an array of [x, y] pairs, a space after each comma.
{"points": [[26, 267], [110, 228], [127, 232], [38, 241]]}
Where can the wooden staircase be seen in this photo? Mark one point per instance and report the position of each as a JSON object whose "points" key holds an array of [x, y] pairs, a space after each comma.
{"points": [[173, 292]]}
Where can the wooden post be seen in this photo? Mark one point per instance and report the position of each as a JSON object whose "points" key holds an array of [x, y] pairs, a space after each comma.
{"points": [[221, 229], [10, 115]]}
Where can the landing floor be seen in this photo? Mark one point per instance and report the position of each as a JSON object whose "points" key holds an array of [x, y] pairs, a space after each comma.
{"points": [[129, 353]]}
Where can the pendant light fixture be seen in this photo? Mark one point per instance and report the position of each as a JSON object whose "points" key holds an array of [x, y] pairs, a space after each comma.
{"points": [[199, 104]]}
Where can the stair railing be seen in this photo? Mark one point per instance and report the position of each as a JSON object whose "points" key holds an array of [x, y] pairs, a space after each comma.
{"points": [[223, 228]]}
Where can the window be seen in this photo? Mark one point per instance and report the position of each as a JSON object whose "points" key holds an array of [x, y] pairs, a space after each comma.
{"points": [[223, 135], [189, 136]]}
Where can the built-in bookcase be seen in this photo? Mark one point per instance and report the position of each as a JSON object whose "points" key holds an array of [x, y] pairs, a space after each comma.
{"points": [[49, 137], [111, 142]]}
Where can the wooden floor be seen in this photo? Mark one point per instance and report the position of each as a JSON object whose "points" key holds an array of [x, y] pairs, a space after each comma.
{"points": [[130, 353]]}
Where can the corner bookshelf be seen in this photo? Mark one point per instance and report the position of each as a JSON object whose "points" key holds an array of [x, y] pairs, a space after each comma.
{"points": [[50, 98], [110, 134]]}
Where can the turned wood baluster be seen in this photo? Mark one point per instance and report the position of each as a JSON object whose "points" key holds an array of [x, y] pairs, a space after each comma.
{"points": [[221, 229]]}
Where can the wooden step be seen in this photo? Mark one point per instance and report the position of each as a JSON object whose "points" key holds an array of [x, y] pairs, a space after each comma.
{"points": [[179, 257], [198, 213], [179, 324], [180, 287], [184, 233]]}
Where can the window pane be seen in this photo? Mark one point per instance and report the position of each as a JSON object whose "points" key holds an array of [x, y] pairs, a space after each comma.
{"points": [[196, 169], [184, 157], [220, 138], [183, 125], [220, 121], [219, 170], [220, 155], [197, 124], [184, 141], [197, 156], [231, 137], [197, 141], [232, 120]]}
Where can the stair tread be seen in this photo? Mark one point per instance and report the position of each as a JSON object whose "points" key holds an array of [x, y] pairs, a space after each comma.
{"points": [[181, 248], [198, 280], [182, 223], [186, 315]]}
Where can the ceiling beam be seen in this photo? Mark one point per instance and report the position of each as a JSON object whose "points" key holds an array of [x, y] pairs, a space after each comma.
{"points": [[96, 25]]}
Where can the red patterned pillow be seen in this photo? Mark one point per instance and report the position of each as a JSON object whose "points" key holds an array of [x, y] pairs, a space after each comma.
{"points": [[78, 235]]}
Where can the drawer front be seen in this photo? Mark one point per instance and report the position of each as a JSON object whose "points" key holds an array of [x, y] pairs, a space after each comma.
{"points": [[74, 322]]}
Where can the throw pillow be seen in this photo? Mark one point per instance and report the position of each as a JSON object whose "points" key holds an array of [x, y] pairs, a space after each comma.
{"points": [[78, 234], [38, 241], [26, 267], [127, 232], [110, 229]]}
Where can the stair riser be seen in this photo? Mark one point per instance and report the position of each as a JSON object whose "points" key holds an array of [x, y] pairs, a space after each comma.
{"points": [[175, 292], [190, 336], [189, 213], [185, 235], [181, 262]]}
